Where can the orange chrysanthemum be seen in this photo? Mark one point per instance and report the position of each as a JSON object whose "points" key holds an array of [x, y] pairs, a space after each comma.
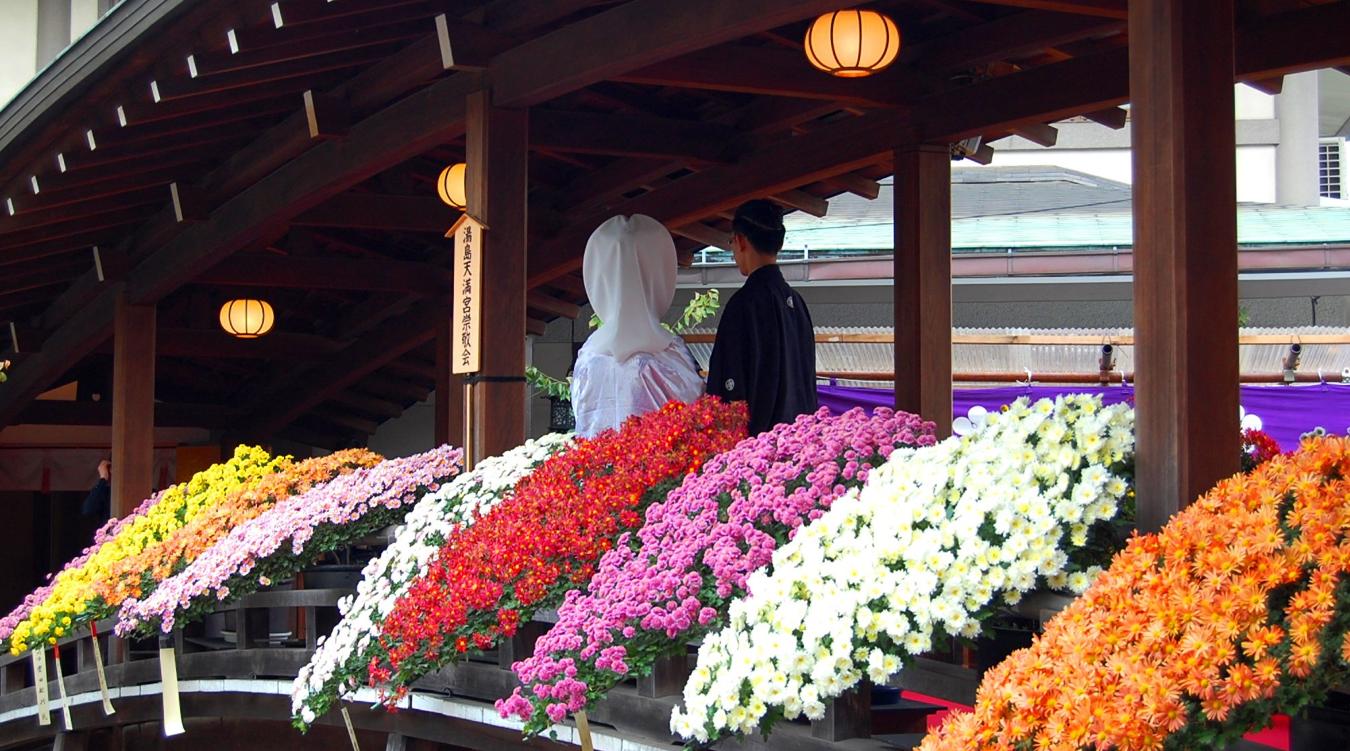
{"points": [[1231, 601]]}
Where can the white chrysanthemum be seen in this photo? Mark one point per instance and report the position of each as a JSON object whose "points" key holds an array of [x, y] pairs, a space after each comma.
{"points": [[386, 578], [935, 537]]}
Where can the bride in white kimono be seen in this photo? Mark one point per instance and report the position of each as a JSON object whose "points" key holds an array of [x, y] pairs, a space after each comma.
{"points": [[631, 364]]}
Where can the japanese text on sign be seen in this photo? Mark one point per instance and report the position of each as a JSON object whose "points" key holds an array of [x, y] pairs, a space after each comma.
{"points": [[468, 265]]}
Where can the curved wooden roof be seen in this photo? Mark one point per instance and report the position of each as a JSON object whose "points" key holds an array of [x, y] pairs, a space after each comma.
{"points": [[290, 148]]}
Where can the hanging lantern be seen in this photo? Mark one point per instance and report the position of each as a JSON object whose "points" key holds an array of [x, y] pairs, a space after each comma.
{"points": [[852, 43], [450, 185], [246, 319]]}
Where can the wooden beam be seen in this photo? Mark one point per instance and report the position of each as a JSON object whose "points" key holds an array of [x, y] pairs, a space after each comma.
{"points": [[802, 201], [1293, 42], [133, 404], [858, 185], [535, 327], [551, 305], [923, 284], [413, 370], [768, 71], [1271, 86], [361, 425], [189, 205], [497, 141], [628, 135], [366, 355], [389, 386], [783, 165], [1038, 133], [327, 272], [263, 76], [42, 412], [209, 62], [326, 116], [630, 36], [383, 212], [702, 233], [212, 344], [1112, 117], [371, 405], [1102, 8], [294, 13], [1010, 36], [514, 16], [1185, 265], [403, 130]]}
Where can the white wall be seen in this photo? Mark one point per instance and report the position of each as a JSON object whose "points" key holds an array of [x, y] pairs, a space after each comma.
{"points": [[83, 15], [18, 39]]}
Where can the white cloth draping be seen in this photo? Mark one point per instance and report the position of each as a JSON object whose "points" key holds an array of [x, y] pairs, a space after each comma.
{"points": [[631, 364]]}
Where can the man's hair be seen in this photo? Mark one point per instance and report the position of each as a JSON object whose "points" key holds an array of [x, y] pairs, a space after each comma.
{"points": [[761, 222]]}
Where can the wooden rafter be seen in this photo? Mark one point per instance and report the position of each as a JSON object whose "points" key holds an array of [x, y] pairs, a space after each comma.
{"points": [[629, 36], [1010, 36], [382, 212], [327, 272], [628, 135], [775, 72], [1102, 8], [277, 409]]}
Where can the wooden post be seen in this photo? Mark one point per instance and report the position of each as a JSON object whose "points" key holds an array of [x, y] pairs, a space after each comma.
{"points": [[449, 391], [1185, 251], [133, 405], [923, 283], [497, 148]]}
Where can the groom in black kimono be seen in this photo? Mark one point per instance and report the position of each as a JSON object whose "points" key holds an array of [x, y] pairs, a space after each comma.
{"points": [[765, 353]]}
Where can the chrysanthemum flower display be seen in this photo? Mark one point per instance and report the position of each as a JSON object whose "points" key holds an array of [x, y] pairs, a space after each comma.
{"points": [[339, 665], [936, 536], [672, 582], [1237, 609], [70, 600], [290, 535], [546, 538], [137, 575]]}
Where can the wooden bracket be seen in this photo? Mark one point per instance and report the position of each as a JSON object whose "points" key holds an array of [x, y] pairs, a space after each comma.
{"points": [[188, 203], [327, 116]]}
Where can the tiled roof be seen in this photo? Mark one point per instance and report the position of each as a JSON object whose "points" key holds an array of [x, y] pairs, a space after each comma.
{"points": [[1043, 207]]}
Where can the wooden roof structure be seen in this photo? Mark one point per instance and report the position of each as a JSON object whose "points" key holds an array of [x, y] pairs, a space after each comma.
{"points": [[181, 153]]}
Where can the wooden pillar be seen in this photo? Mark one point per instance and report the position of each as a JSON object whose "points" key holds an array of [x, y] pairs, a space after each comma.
{"points": [[449, 390], [497, 147], [133, 405], [1185, 251], [923, 283]]}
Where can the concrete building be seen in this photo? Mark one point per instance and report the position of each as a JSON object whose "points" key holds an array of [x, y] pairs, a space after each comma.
{"points": [[33, 33]]}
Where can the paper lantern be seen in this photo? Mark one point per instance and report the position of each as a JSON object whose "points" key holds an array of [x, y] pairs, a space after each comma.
{"points": [[852, 43], [450, 185], [247, 319]]}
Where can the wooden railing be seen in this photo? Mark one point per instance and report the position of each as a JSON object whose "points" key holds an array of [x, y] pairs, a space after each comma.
{"points": [[208, 664]]}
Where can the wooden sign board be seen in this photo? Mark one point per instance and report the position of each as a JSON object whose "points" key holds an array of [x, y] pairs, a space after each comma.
{"points": [[467, 295]]}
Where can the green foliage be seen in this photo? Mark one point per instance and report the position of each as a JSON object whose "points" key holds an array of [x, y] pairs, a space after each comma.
{"points": [[547, 385], [703, 306]]}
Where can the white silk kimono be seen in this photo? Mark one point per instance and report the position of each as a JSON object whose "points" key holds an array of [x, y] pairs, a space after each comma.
{"points": [[631, 364]]}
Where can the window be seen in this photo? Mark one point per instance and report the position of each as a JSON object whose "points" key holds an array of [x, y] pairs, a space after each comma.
{"points": [[1331, 168]]}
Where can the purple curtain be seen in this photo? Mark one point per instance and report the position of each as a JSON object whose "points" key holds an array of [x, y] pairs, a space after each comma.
{"points": [[1286, 411]]}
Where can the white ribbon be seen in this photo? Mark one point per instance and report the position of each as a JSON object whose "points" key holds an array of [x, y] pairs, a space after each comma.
{"points": [[168, 676], [44, 707], [98, 667], [584, 730], [61, 686], [351, 731]]}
